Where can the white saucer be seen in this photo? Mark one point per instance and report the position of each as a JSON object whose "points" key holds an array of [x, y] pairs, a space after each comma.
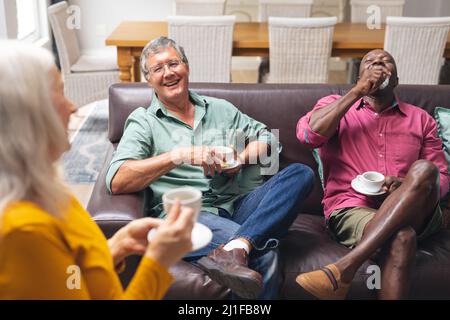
{"points": [[200, 237], [357, 187], [232, 165]]}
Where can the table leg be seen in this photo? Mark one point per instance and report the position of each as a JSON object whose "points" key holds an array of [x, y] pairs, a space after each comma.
{"points": [[444, 76], [124, 61], [136, 69]]}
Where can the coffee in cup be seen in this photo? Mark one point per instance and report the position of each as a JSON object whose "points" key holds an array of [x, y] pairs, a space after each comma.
{"points": [[371, 181], [187, 196]]}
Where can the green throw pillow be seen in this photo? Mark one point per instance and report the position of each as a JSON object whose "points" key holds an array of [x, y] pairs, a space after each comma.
{"points": [[442, 116], [315, 153]]}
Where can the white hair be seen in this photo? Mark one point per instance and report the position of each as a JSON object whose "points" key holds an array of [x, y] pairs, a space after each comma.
{"points": [[31, 131]]}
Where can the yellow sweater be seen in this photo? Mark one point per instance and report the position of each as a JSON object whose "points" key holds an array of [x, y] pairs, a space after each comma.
{"points": [[44, 257]]}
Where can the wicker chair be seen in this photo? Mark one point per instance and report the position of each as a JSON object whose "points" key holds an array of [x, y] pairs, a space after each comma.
{"points": [[329, 8], [280, 8], [359, 12], [86, 77], [199, 7], [284, 8], [300, 49], [417, 45], [208, 44]]}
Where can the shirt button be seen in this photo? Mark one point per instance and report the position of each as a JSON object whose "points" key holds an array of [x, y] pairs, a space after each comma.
{"points": [[380, 155], [381, 134]]}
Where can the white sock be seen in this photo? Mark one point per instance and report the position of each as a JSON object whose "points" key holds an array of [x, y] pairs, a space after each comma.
{"points": [[237, 244]]}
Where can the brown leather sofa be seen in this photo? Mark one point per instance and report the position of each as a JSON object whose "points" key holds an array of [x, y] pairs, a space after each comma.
{"points": [[308, 245]]}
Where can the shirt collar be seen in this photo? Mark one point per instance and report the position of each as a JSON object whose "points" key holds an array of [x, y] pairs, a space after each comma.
{"points": [[396, 104], [158, 108]]}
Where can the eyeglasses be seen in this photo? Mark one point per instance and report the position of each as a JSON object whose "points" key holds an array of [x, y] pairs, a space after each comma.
{"points": [[159, 68]]}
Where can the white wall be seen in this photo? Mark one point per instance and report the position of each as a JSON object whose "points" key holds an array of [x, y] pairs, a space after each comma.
{"points": [[9, 27], [428, 8], [445, 8], [100, 17], [3, 34]]}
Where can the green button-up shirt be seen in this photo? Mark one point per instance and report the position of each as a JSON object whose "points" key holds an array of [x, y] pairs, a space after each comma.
{"points": [[154, 131]]}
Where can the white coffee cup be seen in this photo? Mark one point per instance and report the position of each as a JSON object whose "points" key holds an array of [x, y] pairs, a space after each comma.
{"points": [[225, 153], [371, 181], [187, 196], [384, 84]]}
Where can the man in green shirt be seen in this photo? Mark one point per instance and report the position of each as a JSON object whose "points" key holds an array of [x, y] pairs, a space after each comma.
{"points": [[172, 144]]}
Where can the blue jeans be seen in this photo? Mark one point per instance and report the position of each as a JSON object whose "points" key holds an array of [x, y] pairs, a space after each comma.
{"points": [[263, 216]]}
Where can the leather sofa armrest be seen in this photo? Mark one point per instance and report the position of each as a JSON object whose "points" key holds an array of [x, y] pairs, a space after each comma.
{"points": [[111, 212]]}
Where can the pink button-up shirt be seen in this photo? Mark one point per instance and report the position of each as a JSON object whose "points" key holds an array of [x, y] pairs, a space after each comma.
{"points": [[388, 142]]}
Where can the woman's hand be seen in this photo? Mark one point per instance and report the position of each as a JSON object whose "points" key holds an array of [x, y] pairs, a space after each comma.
{"points": [[173, 237], [171, 242], [131, 239]]}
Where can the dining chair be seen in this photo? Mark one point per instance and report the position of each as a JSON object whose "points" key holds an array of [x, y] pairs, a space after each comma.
{"points": [[87, 78], [359, 9], [208, 44], [280, 8], [330, 8], [199, 7], [284, 8], [300, 49], [417, 45]]}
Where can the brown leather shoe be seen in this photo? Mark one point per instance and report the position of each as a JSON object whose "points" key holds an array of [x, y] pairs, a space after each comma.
{"points": [[230, 269]]}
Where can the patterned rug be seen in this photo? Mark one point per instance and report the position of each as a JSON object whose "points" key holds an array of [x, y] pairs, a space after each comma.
{"points": [[83, 161]]}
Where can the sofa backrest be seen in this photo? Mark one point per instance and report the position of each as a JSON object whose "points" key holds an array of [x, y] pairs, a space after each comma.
{"points": [[278, 106]]}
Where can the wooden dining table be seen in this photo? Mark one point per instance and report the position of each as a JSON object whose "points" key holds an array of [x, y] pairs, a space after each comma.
{"points": [[350, 40]]}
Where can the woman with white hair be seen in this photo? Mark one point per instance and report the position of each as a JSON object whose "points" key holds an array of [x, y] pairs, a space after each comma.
{"points": [[50, 248]]}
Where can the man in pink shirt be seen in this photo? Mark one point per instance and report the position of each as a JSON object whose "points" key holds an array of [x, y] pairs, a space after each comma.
{"points": [[369, 129]]}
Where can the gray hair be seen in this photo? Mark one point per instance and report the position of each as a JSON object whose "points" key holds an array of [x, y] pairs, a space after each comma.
{"points": [[157, 45], [31, 131]]}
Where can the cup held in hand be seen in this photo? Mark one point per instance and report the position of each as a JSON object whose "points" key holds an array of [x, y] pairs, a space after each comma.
{"points": [[226, 153], [187, 196], [192, 198], [385, 83]]}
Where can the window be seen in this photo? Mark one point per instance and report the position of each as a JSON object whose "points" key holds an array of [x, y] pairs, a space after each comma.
{"points": [[25, 20], [28, 24]]}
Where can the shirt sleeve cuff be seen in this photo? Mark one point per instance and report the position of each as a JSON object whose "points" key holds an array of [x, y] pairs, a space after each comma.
{"points": [[112, 170], [307, 136]]}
